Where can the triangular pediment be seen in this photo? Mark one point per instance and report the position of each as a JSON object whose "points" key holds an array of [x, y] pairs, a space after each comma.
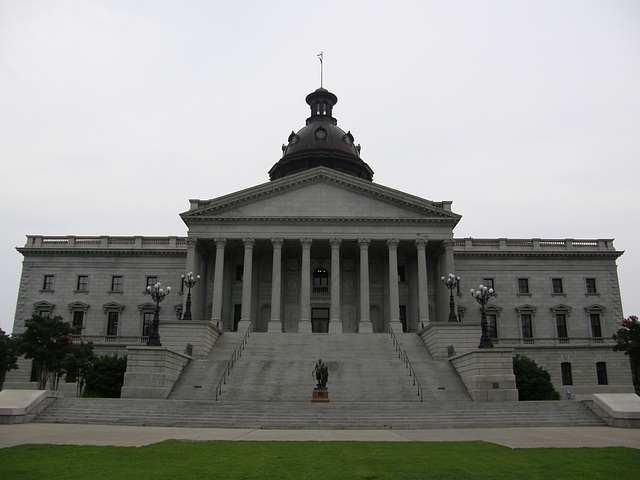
{"points": [[320, 193]]}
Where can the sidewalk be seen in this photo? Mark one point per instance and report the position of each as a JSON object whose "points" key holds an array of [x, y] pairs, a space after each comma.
{"points": [[553, 437]]}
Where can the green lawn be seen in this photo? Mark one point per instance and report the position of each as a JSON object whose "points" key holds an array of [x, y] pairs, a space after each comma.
{"points": [[316, 460]]}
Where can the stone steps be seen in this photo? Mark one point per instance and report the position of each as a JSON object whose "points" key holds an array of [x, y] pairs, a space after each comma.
{"points": [[335, 415], [361, 368]]}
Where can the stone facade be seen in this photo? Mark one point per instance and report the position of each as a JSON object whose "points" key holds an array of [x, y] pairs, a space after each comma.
{"points": [[322, 248]]}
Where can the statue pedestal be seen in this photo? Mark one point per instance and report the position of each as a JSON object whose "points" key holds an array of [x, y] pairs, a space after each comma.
{"points": [[320, 395]]}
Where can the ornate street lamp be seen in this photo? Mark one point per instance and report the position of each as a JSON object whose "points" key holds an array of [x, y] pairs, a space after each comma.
{"points": [[482, 295], [189, 281], [452, 282], [157, 294]]}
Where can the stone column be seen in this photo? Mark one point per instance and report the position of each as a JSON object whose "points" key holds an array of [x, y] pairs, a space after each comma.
{"points": [[218, 273], [423, 287], [394, 300], [335, 318], [275, 324], [193, 262], [364, 325], [245, 316], [304, 324], [449, 267]]}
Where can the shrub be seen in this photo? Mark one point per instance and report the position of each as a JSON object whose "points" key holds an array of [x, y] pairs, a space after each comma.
{"points": [[8, 355], [105, 377], [532, 381]]}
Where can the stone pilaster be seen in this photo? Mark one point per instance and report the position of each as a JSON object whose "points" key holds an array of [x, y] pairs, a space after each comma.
{"points": [[245, 316], [335, 319], [304, 325], [364, 326], [275, 324]]}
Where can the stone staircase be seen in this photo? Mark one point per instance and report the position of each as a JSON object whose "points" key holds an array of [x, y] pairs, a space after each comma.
{"points": [[277, 368], [270, 386], [307, 415]]}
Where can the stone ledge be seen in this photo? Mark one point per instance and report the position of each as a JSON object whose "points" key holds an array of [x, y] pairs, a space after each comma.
{"points": [[19, 406], [618, 409]]}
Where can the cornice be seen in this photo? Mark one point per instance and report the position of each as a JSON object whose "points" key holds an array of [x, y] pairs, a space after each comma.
{"points": [[520, 253], [99, 251], [320, 220]]}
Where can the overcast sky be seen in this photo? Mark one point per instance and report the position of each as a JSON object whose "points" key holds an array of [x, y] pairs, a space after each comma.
{"points": [[526, 114]]}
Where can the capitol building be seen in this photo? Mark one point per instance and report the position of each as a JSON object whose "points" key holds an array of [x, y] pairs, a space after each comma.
{"points": [[322, 249]]}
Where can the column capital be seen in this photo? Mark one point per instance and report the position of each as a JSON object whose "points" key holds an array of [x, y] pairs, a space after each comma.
{"points": [[393, 243], [220, 241], [335, 242], [448, 243], [421, 242], [191, 242], [249, 241], [364, 243], [306, 242], [277, 242]]}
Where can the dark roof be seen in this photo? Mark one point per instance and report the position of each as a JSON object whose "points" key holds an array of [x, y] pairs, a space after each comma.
{"points": [[321, 143]]}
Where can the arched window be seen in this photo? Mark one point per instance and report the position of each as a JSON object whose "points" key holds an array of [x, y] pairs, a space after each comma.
{"points": [[320, 280]]}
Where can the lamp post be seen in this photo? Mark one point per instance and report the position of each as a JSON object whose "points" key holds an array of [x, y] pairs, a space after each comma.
{"points": [[482, 296], [189, 281], [157, 294], [452, 282]]}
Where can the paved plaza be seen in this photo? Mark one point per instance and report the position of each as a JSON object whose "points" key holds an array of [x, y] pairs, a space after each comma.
{"points": [[539, 437]]}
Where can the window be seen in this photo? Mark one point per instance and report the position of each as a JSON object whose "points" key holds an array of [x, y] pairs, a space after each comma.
{"points": [[556, 286], [82, 284], [523, 286], [112, 323], [596, 330], [527, 328], [402, 276], [151, 281], [320, 277], [47, 283], [239, 272], [488, 282], [78, 321], [561, 325], [601, 371], [147, 321], [591, 286], [492, 326], [565, 369], [116, 283]]}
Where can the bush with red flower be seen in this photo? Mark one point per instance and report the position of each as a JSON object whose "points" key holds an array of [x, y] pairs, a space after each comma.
{"points": [[627, 340]]}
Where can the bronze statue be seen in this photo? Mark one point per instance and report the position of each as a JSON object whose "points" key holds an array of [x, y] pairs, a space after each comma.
{"points": [[322, 374]]}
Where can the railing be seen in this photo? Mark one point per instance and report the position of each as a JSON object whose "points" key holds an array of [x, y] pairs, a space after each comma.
{"points": [[552, 341], [235, 356], [402, 355]]}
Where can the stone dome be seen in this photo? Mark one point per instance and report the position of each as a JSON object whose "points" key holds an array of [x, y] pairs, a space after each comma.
{"points": [[321, 143]]}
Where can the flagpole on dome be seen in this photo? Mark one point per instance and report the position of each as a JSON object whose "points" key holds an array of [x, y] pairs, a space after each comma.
{"points": [[321, 57]]}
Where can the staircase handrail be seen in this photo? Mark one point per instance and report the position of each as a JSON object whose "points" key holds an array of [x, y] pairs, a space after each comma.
{"points": [[402, 355], [235, 356]]}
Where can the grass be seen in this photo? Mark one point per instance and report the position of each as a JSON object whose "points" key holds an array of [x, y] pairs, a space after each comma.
{"points": [[316, 460]]}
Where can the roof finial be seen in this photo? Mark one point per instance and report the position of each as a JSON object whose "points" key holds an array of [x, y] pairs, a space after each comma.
{"points": [[321, 57]]}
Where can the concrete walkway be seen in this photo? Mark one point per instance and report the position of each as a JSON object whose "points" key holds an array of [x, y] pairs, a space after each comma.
{"points": [[557, 437]]}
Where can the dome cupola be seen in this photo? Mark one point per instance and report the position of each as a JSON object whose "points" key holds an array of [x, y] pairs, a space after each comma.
{"points": [[321, 143]]}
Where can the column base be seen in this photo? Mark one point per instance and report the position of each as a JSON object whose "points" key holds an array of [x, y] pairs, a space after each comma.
{"points": [[275, 326], [243, 325], [365, 326], [304, 326], [335, 326], [396, 326]]}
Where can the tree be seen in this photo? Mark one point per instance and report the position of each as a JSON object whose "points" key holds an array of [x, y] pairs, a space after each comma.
{"points": [[627, 340], [47, 341], [79, 363], [532, 381], [106, 376], [8, 355]]}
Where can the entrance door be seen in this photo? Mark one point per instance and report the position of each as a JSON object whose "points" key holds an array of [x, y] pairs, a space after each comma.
{"points": [[320, 320]]}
